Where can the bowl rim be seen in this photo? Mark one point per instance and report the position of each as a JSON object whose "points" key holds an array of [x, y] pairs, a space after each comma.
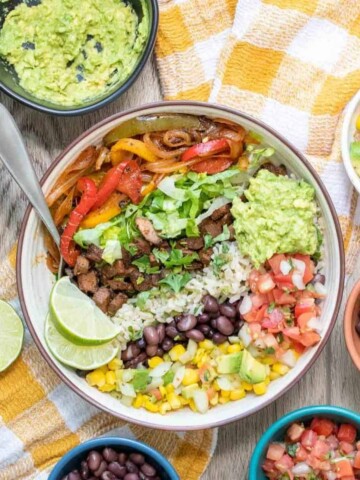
{"points": [[220, 108], [153, 28], [95, 443], [287, 419], [349, 111], [348, 324]]}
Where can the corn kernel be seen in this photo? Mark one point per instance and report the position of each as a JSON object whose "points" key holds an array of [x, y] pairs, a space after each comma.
{"points": [[162, 390], [152, 407], [274, 375], [247, 386], [216, 386], [176, 352], [223, 400], [192, 405], [206, 344], [267, 381], [199, 354], [184, 401], [225, 393], [107, 388], [191, 376], [215, 400], [268, 360], [358, 122], [155, 361], [96, 378], [115, 364], [260, 388], [110, 377], [164, 407], [223, 347], [280, 368], [174, 401], [204, 359], [234, 348], [169, 388], [139, 401], [237, 394]]}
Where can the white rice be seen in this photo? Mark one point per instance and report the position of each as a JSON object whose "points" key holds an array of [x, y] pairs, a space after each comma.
{"points": [[226, 282]]}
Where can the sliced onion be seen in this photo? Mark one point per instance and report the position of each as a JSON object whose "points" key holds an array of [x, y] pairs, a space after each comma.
{"points": [[157, 382], [224, 383], [299, 265], [288, 358], [285, 267], [301, 468], [160, 370], [159, 152], [245, 336], [217, 203], [298, 281], [178, 377], [201, 401], [128, 390], [315, 324], [246, 305], [320, 288]]}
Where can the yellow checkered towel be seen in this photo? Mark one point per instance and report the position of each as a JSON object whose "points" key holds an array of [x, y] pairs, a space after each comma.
{"points": [[292, 63]]}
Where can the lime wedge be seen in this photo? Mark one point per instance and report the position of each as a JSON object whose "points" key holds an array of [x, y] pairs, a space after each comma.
{"points": [[77, 317], [83, 358], [11, 335]]}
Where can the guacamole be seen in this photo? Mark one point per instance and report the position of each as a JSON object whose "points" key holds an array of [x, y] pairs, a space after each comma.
{"points": [[279, 217], [69, 51]]}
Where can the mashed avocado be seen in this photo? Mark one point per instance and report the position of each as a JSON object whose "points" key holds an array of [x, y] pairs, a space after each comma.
{"points": [[70, 51], [279, 217]]}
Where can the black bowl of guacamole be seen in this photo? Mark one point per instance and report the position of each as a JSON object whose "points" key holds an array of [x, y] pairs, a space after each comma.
{"points": [[67, 57]]}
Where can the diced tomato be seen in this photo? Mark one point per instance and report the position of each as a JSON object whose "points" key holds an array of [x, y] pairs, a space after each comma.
{"points": [[265, 283], [274, 321], [303, 320], [305, 305], [358, 445], [269, 466], [255, 329], [322, 426], [347, 433], [258, 300], [211, 393], [309, 267], [347, 447], [253, 280], [284, 282], [344, 469], [357, 460], [270, 297], [293, 333], [275, 451], [295, 431], [333, 441], [301, 454], [308, 339], [320, 449], [308, 439], [275, 262], [285, 463], [298, 347], [318, 464], [283, 298], [260, 313], [156, 393], [255, 315]]}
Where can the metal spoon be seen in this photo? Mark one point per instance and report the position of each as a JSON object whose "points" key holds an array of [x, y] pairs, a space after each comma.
{"points": [[16, 159]]}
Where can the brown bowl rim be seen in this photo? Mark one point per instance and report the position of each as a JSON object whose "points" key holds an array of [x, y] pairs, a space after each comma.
{"points": [[299, 155], [348, 324]]}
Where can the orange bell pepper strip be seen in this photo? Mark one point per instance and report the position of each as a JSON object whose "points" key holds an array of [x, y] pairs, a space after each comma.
{"points": [[103, 214], [134, 146]]}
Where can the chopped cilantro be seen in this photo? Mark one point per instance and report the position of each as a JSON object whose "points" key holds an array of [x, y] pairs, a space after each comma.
{"points": [[269, 350], [161, 255], [292, 449], [218, 262], [132, 249], [208, 241], [176, 281], [143, 264], [174, 258], [271, 307]]}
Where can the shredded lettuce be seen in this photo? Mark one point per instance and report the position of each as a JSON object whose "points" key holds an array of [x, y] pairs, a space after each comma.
{"points": [[112, 251]]}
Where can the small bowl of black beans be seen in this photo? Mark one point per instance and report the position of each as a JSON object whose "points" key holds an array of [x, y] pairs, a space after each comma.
{"points": [[113, 458], [352, 324]]}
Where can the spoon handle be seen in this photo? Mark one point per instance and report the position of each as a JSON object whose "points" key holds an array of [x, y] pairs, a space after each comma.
{"points": [[16, 159]]}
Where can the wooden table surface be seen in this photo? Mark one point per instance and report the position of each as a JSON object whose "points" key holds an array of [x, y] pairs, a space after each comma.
{"points": [[332, 380]]}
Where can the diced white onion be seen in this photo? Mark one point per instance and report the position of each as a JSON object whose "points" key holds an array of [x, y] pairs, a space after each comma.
{"points": [[298, 281], [234, 339], [316, 324], [224, 383], [246, 305], [259, 343], [288, 358], [330, 475], [127, 375], [127, 389], [299, 265], [154, 384], [160, 370], [320, 288], [285, 267], [244, 336], [301, 468], [127, 401], [201, 401], [178, 377], [217, 203]]}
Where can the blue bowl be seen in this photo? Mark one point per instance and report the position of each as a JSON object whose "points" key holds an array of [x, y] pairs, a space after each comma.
{"points": [[73, 458], [277, 431]]}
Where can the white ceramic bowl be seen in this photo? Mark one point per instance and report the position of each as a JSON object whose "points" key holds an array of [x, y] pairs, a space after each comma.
{"points": [[35, 281], [352, 111]]}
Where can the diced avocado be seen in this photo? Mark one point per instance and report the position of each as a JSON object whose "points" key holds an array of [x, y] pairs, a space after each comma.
{"points": [[229, 363], [188, 392], [251, 370], [168, 377], [141, 380]]}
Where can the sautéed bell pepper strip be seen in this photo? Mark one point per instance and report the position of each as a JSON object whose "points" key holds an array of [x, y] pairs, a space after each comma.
{"points": [[212, 165], [103, 214], [88, 198], [134, 146], [204, 149], [130, 182]]}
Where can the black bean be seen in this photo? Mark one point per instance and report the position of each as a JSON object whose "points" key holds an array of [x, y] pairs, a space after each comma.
{"points": [[319, 278], [187, 322], [137, 458], [210, 304], [213, 322], [160, 352], [148, 469], [140, 358], [108, 476], [117, 469], [141, 343], [109, 454], [101, 469], [151, 350], [131, 476], [203, 318], [211, 333], [84, 470], [131, 467], [122, 458], [173, 322], [224, 325], [195, 335], [94, 460], [227, 310], [74, 475], [205, 329], [357, 328], [218, 338], [151, 335], [161, 332], [171, 332], [131, 352], [167, 344], [64, 478]]}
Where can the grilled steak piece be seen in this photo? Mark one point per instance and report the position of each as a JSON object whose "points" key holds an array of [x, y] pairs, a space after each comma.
{"points": [[143, 247], [118, 285], [147, 230], [94, 253], [205, 256], [141, 281], [88, 282], [116, 303], [209, 227], [155, 279], [275, 169], [232, 232], [117, 268], [227, 219], [102, 298], [195, 266], [192, 243], [126, 257], [220, 212], [82, 265]]}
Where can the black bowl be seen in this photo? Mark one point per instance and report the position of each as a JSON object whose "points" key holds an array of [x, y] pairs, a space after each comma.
{"points": [[9, 82]]}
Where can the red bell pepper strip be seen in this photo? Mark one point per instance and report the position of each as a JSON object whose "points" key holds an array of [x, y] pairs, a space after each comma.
{"points": [[212, 165], [88, 198], [131, 182], [204, 149]]}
